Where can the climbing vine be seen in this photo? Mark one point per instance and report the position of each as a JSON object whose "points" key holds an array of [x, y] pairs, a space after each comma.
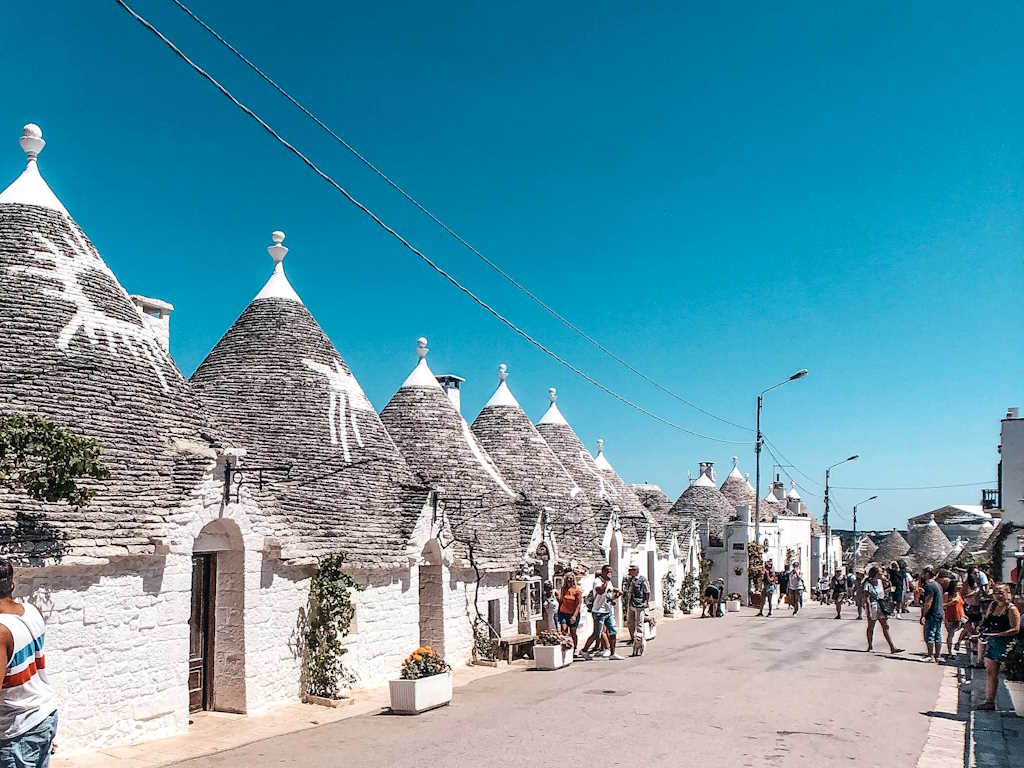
{"points": [[688, 594], [329, 616]]}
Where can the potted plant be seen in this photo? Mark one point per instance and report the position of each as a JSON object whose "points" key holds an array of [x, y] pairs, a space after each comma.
{"points": [[485, 645], [688, 594], [1013, 674], [552, 650], [668, 593], [732, 602], [426, 683], [650, 626]]}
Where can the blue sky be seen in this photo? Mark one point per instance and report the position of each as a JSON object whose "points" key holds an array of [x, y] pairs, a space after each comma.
{"points": [[722, 196]]}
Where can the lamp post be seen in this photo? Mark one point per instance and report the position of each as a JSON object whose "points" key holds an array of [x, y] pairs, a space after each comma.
{"points": [[853, 562], [757, 451], [828, 534]]}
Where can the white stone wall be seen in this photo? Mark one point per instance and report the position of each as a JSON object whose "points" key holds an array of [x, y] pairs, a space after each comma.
{"points": [[386, 625], [116, 647], [460, 613]]}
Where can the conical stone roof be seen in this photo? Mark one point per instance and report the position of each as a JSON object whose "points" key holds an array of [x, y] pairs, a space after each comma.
{"points": [[557, 433], [737, 489], [657, 504], [478, 504], [633, 518], [980, 536], [892, 547], [864, 551], [704, 504], [530, 467], [276, 384], [931, 546], [75, 350]]}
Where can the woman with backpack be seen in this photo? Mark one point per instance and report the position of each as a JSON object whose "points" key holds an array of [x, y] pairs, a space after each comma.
{"points": [[880, 607]]}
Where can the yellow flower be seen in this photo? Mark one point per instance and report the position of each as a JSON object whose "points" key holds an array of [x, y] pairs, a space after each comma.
{"points": [[428, 650]]}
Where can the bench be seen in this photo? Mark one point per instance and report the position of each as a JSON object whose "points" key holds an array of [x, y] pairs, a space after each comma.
{"points": [[515, 647]]}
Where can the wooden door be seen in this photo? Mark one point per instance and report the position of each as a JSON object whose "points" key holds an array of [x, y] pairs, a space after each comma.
{"points": [[200, 635]]}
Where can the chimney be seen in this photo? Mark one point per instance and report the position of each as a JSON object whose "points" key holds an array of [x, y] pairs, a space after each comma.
{"points": [[156, 315], [1013, 413], [708, 468], [451, 385]]}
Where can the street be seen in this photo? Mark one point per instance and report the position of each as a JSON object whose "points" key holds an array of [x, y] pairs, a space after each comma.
{"points": [[736, 691]]}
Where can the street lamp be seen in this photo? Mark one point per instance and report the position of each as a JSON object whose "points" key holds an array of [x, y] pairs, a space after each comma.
{"points": [[757, 451], [853, 562], [828, 535]]}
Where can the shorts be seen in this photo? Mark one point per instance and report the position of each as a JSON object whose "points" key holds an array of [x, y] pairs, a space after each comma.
{"points": [[566, 620], [933, 630], [995, 648], [602, 620], [31, 748]]}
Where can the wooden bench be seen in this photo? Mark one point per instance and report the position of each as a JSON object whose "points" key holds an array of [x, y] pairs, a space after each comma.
{"points": [[515, 647]]}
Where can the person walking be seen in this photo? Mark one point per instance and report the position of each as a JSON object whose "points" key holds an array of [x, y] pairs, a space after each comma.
{"points": [[838, 593], [604, 603], [932, 616], [878, 607], [796, 590], [771, 581], [637, 602], [784, 584], [28, 705], [1000, 625], [953, 612], [624, 588], [859, 594], [570, 603]]}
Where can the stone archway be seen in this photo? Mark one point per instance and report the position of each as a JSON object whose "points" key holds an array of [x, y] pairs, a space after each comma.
{"points": [[431, 597], [217, 623]]}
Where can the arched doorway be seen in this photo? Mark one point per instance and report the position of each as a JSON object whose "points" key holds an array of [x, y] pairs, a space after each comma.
{"points": [[216, 662], [431, 593]]}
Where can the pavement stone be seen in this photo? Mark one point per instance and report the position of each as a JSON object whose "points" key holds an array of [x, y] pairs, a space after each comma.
{"points": [[996, 738]]}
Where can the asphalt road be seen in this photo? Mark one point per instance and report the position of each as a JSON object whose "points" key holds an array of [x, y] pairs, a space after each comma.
{"points": [[737, 691]]}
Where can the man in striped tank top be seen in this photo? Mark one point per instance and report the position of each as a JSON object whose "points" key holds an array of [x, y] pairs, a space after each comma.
{"points": [[28, 706]]}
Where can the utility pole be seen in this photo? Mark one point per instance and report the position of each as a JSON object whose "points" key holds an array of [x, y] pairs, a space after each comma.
{"points": [[853, 563], [828, 531], [757, 452]]}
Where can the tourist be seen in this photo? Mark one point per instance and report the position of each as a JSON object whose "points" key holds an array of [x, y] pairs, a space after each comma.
{"points": [[796, 590], [859, 594], [604, 604], [932, 615], [28, 705], [973, 610], [838, 592], [624, 589], [898, 585], [953, 612], [709, 601], [770, 583], [784, 584], [908, 586], [878, 605], [570, 602], [1000, 625], [636, 603]]}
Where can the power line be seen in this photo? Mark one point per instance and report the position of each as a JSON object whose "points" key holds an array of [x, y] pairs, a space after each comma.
{"points": [[449, 230], [409, 246], [911, 487]]}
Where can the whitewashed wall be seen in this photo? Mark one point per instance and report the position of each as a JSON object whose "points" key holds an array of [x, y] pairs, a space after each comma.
{"points": [[459, 612]]}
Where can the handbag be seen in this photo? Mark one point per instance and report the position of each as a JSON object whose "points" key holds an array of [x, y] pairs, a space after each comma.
{"points": [[886, 606]]}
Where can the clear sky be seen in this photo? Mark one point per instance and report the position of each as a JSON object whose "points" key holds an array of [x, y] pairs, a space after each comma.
{"points": [[720, 195]]}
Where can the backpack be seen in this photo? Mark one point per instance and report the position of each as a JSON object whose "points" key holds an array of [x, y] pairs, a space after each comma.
{"points": [[589, 600]]}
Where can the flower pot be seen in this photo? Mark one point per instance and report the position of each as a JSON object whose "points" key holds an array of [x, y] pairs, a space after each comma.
{"points": [[1016, 691], [550, 657], [410, 697], [732, 605]]}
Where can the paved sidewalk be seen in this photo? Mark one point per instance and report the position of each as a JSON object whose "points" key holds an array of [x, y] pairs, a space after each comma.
{"points": [[947, 727], [996, 738]]}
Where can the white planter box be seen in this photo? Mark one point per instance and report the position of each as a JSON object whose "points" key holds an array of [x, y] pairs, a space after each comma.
{"points": [[410, 697], [732, 605], [551, 656], [1016, 691], [650, 632]]}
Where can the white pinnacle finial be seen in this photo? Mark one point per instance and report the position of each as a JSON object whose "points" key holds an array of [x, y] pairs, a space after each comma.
{"points": [[600, 445], [502, 372], [32, 141], [277, 251], [421, 347], [735, 461], [552, 394]]}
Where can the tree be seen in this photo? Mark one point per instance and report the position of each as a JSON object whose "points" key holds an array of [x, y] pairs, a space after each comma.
{"points": [[47, 461]]}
